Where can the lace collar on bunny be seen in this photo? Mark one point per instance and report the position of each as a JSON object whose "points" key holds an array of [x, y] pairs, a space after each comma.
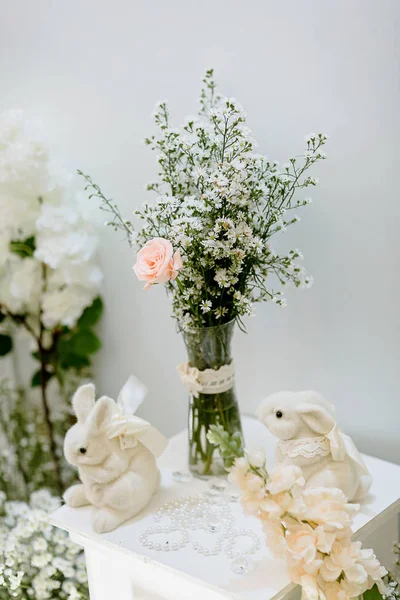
{"points": [[305, 447], [331, 443]]}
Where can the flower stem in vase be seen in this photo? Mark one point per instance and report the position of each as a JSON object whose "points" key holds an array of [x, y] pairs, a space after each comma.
{"points": [[209, 352]]}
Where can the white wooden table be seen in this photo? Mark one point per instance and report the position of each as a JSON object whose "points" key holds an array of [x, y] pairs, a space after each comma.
{"points": [[120, 568]]}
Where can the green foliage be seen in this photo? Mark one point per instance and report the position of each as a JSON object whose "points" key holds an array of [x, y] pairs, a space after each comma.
{"points": [[230, 445], [372, 594], [92, 314], [5, 344], [2, 317], [71, 349], [74, 361], [36, 380], [23, 248], [84, 342]]}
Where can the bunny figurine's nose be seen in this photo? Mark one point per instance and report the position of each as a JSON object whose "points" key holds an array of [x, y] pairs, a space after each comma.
{"points": [[82, 450]]}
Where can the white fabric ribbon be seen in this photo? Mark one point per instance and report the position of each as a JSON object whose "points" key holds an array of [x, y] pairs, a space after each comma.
{"points": [[342, 445], [128, 427], [190, 378], [209, 381], [336, 442]]}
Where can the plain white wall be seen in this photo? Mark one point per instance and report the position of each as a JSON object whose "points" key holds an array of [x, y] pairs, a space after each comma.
{"points": [[93, 69]]}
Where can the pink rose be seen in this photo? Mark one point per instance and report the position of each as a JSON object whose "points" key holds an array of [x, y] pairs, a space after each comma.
{"points": [[157, 263]]}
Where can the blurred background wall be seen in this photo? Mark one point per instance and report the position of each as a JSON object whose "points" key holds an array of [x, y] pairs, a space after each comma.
{"points": [[92, 71]]}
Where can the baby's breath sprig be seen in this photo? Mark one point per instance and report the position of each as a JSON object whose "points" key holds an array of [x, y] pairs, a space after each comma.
{"points": [[117, 222]]}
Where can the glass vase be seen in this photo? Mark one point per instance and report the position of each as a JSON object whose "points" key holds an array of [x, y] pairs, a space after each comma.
{"points": [[210, 348]]}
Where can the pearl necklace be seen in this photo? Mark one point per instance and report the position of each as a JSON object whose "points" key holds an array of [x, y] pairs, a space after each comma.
{"points": [[210, 513]]}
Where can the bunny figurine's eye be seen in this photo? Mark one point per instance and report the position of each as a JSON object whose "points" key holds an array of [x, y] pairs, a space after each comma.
{"points": [[279, 414], [82, 450]]}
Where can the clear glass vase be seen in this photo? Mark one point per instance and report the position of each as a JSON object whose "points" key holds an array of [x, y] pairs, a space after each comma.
{"points": [[210, 348]]}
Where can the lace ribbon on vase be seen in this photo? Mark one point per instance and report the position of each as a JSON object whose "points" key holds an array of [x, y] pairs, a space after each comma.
{"points": [[209, 381], [305, 447]]}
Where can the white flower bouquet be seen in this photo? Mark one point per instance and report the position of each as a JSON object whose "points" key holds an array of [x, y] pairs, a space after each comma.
{"points": [[207, 237]]}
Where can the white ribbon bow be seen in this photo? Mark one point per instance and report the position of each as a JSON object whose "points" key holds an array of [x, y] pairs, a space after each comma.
{"points": [[342, 445], [190, 378], [129, 428], [338, 449]]}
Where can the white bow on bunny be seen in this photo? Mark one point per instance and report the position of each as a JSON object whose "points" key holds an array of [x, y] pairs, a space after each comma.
{"points": [[309, 437], [115, 453], [129, 428]]}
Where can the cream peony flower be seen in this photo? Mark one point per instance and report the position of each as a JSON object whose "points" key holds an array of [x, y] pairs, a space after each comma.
{"points": [[254, 483], [310, 586], [304, 542], [298, 569], [283, 478], [238, 472], [374, 568], [344, 560], [274, 536], [275, 506], [250, 503], [327, 507], [336, 591]]}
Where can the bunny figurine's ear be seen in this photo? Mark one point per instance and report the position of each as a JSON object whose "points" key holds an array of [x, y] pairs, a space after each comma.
{"points": [[101, 414], [316, 417], [83, 401]]}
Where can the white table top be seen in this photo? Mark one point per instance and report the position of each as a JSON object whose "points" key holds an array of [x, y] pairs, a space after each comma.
{"points": [[269, 578]]}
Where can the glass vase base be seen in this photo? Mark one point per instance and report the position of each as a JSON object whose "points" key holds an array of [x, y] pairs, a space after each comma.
{"points": [[202, 470]]}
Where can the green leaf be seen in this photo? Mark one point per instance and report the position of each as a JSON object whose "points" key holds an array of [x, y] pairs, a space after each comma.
{"points": [[36, 380], [84, 342], [372, 594], [5, 344], [2, 317], [91, 315], [230, 446], [23, 248], [74, 361]]}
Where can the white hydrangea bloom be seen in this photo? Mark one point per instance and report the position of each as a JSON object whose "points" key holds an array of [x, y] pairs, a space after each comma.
{"points": [[20, 286], [65, 306], [39, 200]]}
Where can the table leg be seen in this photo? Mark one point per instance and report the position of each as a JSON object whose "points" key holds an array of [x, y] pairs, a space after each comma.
{"points": [[110, 574], [108, 580]]}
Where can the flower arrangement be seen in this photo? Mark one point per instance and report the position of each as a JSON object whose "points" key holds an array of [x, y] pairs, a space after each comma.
{"points": [[207, 238], [49, 279], [218, 205], [309, 528], [37, 560]]}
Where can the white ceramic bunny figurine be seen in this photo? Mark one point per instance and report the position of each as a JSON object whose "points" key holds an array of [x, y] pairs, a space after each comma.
{"points": [[309, 437], [115, 453]]}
